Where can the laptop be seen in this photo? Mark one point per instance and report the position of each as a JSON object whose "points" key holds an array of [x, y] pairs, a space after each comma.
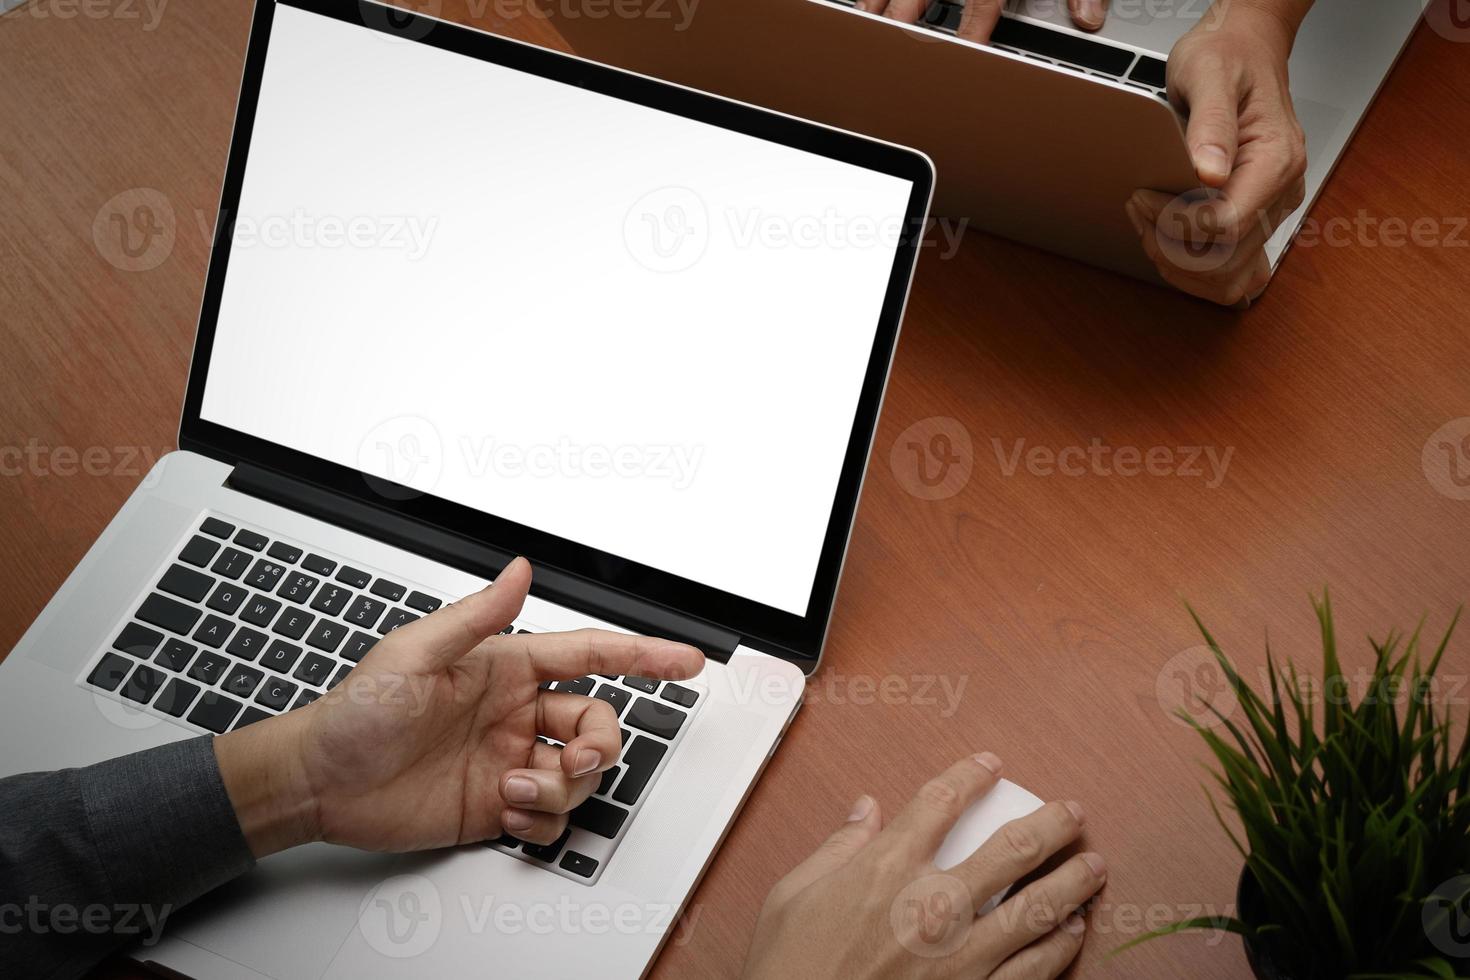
{"points": [[1041, 136], [471, 299]]}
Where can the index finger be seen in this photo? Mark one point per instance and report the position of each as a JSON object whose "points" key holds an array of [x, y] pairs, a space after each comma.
{"points": [[922, 825], [1088, 14], [978, 20], [564, 656]]}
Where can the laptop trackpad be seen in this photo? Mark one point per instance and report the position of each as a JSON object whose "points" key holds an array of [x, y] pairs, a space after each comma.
{"points": [[289, 917]]}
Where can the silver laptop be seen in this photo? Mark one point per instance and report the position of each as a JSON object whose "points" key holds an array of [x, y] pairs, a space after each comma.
{"points": [[471, 299], [1039, 137]]}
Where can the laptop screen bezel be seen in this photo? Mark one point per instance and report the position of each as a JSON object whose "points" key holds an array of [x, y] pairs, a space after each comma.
{"points": [[781, 633]]}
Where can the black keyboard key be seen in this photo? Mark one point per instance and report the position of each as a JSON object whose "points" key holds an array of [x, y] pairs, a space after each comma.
{"points": [[185, 583], [209, 668], [214, 631], [250, 716], [293, 623], [327, 635], [547, 852], [265, 575], [177, 697], [247, 643], [305, 698], [297, 587], [318, 564], [217, 528], [276, 693], [391, 591], [608, 778], [395, 619], [260, 610], [681, 696], [231, 563], [645, 684], [227, 598], [654, 718], [339, 676], [242, 681], [1080, 51], [138, 641], [582, 685], [168, 613], [357, 646], [504, 840], [626, 735], [109, 672], [176, 655], [251, 540], [364, 612], [641, 759], [354, 577], [615, 696], [579, 864], [332, 599], [1150, 71], [281, 657], [199, 551], [423, 603], [314, 669], [281, 551], [600, 817], [215, 712], [143, 684]]}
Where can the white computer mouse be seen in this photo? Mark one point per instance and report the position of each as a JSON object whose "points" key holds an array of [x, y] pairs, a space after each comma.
{"points": [[1001, 805]]}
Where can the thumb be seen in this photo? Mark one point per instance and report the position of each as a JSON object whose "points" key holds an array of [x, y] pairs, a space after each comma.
{"points": [[864, 823], [1212, 101], [439, 639]]}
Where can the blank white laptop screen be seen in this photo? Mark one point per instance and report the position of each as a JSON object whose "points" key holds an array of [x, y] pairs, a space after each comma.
{"points": [[637, 332]]}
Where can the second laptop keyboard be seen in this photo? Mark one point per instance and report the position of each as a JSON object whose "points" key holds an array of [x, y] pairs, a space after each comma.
{"points": [[1057, 47]]}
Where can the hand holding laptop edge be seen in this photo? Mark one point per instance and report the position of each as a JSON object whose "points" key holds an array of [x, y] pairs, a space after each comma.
{"points": [[1229, 76], [432, 739]]}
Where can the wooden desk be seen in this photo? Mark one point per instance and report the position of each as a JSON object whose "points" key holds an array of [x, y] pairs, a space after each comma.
{"points": [[1054, 599]]}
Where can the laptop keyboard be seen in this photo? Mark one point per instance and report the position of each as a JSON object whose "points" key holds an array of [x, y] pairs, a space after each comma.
{"points": [[1087, 55], [240, 626]]}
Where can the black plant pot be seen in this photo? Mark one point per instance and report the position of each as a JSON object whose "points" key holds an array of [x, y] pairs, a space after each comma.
{"points": [[1263, 959]]}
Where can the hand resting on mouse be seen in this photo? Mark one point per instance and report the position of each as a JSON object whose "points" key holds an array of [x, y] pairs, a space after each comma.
{"points": [[873, 902]]}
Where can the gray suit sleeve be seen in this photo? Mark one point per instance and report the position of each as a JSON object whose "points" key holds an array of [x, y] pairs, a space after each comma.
{"points": [[95, 859]]}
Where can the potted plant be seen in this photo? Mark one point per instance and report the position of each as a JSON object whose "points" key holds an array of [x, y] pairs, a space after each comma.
{"points": [[1355, 817]]}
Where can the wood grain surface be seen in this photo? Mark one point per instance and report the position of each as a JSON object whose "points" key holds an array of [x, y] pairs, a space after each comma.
{"points": [[1033, 612]]}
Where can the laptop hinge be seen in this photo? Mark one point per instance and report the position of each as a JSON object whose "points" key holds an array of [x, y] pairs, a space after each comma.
{"points": [[438, 544]]}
